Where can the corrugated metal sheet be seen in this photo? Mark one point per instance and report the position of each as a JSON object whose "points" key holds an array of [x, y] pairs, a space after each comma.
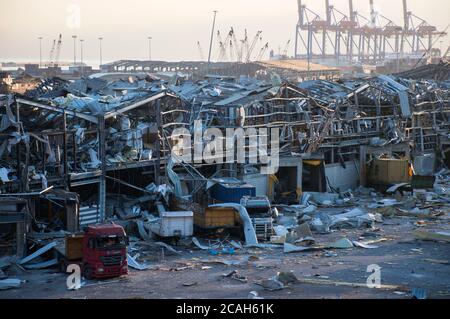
{"points": [[89, 215], [404, 103]]}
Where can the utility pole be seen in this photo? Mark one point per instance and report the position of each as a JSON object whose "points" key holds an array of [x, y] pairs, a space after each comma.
{"points": [[212, 38], [40, 52], [74, 37], [308, 73], [81, 48], [101, 58], [149, 48]]}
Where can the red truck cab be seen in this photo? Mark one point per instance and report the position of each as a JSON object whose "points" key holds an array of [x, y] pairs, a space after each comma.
{"points": [[104, 251]]}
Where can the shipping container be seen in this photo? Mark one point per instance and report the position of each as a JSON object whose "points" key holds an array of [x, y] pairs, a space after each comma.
{"points": [[231, 191]]}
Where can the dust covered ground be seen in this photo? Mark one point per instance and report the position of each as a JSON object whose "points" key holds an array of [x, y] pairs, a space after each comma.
{"points": [[405, 262]]}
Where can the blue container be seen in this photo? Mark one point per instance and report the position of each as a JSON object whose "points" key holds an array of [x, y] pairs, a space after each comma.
{"points": [[231, 192]]}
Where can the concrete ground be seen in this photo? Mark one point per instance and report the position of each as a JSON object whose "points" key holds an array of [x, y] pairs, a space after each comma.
{"points": [[404, 261]]}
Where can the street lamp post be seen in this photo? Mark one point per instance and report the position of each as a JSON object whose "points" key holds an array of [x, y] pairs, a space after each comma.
{"points": [[212, 38], [81, 57], [74, 37], [40, 52], [101, 57]]}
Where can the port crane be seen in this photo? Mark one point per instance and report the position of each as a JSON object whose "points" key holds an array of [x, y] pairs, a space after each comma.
{"points": [[252, 46], [52, 53], [200, 50], [262, 52], [55, 52]]}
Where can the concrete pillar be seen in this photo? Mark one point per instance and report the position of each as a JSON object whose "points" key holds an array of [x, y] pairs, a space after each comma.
{"points": [[21, 234]]}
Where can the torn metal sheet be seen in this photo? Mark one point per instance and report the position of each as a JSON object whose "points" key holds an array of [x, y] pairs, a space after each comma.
{"points": [[10, 283], [404, 103], [38, 253], [363, 245], [42, 265], [142, 231], [236, 244], [4, 175], [356, 218], [203, 247], [136, 265], [271, 284], [342, 243], [169, 248], [394, 188], [289, 248]]}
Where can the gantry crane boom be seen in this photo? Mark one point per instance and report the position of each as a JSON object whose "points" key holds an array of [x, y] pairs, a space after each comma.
{"points": [[222, 52], [200, 50], [262, 51], [52, 53], [245, 47], [223, 45], [252, 47], [236, 47], [232, 58], [286, 48]]}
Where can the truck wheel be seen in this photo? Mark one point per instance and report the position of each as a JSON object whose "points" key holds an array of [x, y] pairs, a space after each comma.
{"points": [[88, 272]]}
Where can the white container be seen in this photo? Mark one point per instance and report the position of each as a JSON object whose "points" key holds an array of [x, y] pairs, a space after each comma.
{"points": [[171, 224]]}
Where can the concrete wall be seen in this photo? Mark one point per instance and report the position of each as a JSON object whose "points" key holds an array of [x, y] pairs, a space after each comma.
{"points": [[341, 178]]}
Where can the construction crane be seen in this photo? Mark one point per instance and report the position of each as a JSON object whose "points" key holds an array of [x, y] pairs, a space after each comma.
{"points": [[245, 47], [262, 51], [232, 58], [236, 47], [200, 50], [223, 45], [252, 47], [286, 48], [52, 53], [58, 51], [219, 36], [222, 52]]}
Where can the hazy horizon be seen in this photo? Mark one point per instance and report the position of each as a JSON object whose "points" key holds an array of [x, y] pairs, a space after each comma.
{"points": [[174, 25]]}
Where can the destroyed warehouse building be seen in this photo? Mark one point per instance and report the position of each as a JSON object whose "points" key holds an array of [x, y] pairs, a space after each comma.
{"points": [[75, 153]]}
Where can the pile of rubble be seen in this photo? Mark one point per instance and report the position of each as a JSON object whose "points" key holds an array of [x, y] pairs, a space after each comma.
{"points": [[100, 150]]}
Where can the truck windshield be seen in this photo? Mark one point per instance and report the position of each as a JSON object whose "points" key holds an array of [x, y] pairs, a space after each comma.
{"points": [[111, 242]]}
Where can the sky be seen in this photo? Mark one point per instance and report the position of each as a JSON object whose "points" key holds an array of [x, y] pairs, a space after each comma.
{"points": [[174, 25]]}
